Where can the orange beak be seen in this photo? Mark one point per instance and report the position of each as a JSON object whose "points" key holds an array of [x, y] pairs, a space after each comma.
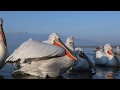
{"points": [[110, 52], [69, 53]]}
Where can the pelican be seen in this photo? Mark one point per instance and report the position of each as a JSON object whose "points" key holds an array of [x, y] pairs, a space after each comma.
{"points": [[50, 59], [3, 46], [98, 48], [106, 57], [83, 63], [70, 43], [116, 50]]}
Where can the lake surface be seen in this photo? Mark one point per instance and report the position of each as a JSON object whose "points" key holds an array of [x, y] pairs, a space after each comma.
{"points": [[101, 72]]}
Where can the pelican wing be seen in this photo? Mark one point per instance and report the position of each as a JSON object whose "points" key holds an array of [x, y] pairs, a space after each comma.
{"points": [[45, 41], [35, 49], [50, 67]]}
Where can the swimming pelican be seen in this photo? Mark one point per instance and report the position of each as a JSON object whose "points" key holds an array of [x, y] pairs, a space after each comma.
{"points": [[106, 57], [3, 46], [117, 50], [98, 48], [50, 59], [70, 43], [83, 63]]}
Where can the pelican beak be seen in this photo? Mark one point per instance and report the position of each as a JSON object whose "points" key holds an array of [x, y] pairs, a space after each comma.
{"points": [[2, 35], [88, 60], [110, 52], [69, 53]]}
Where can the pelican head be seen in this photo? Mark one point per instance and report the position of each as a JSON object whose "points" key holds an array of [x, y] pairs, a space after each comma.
{"points": [[107, 46], [98, 48], [1, 21], [81, 54], [108, 49], [78, 49], [53, 37], [55, 40], [70, 40], [117, 47]]}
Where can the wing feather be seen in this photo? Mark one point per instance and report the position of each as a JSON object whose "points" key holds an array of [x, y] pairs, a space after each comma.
{"points": [[35, 49]]}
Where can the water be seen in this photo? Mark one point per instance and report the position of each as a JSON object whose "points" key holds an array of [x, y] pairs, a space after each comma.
{"points": [[101, 72]]}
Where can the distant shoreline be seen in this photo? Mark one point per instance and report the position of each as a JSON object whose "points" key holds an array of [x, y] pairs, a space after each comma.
{"points": [[93, 46], [77, 46]]}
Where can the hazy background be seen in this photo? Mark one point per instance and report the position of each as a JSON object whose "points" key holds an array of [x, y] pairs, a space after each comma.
{"points": [[87, 27]]}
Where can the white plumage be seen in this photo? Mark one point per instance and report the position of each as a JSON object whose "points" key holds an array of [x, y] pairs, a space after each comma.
{"points": [[82, 63], [35, 49], [106, 57], [53, 67], [3, 46], [46, 59]]}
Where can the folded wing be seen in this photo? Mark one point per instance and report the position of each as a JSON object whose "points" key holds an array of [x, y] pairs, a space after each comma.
{"points": [[35, 49]]}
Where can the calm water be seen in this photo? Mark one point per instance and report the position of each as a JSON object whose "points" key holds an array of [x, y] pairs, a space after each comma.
{"points": [[101, 72]]}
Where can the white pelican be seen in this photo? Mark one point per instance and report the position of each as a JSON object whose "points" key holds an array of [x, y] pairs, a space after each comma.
{"points": [[3, 46], [98, 48], [106, 57], [70, 43], [116, 50], [45, 59], [83, 63]]}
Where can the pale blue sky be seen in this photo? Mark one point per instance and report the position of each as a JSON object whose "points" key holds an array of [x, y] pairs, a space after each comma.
{"points": [[91, 25]]}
